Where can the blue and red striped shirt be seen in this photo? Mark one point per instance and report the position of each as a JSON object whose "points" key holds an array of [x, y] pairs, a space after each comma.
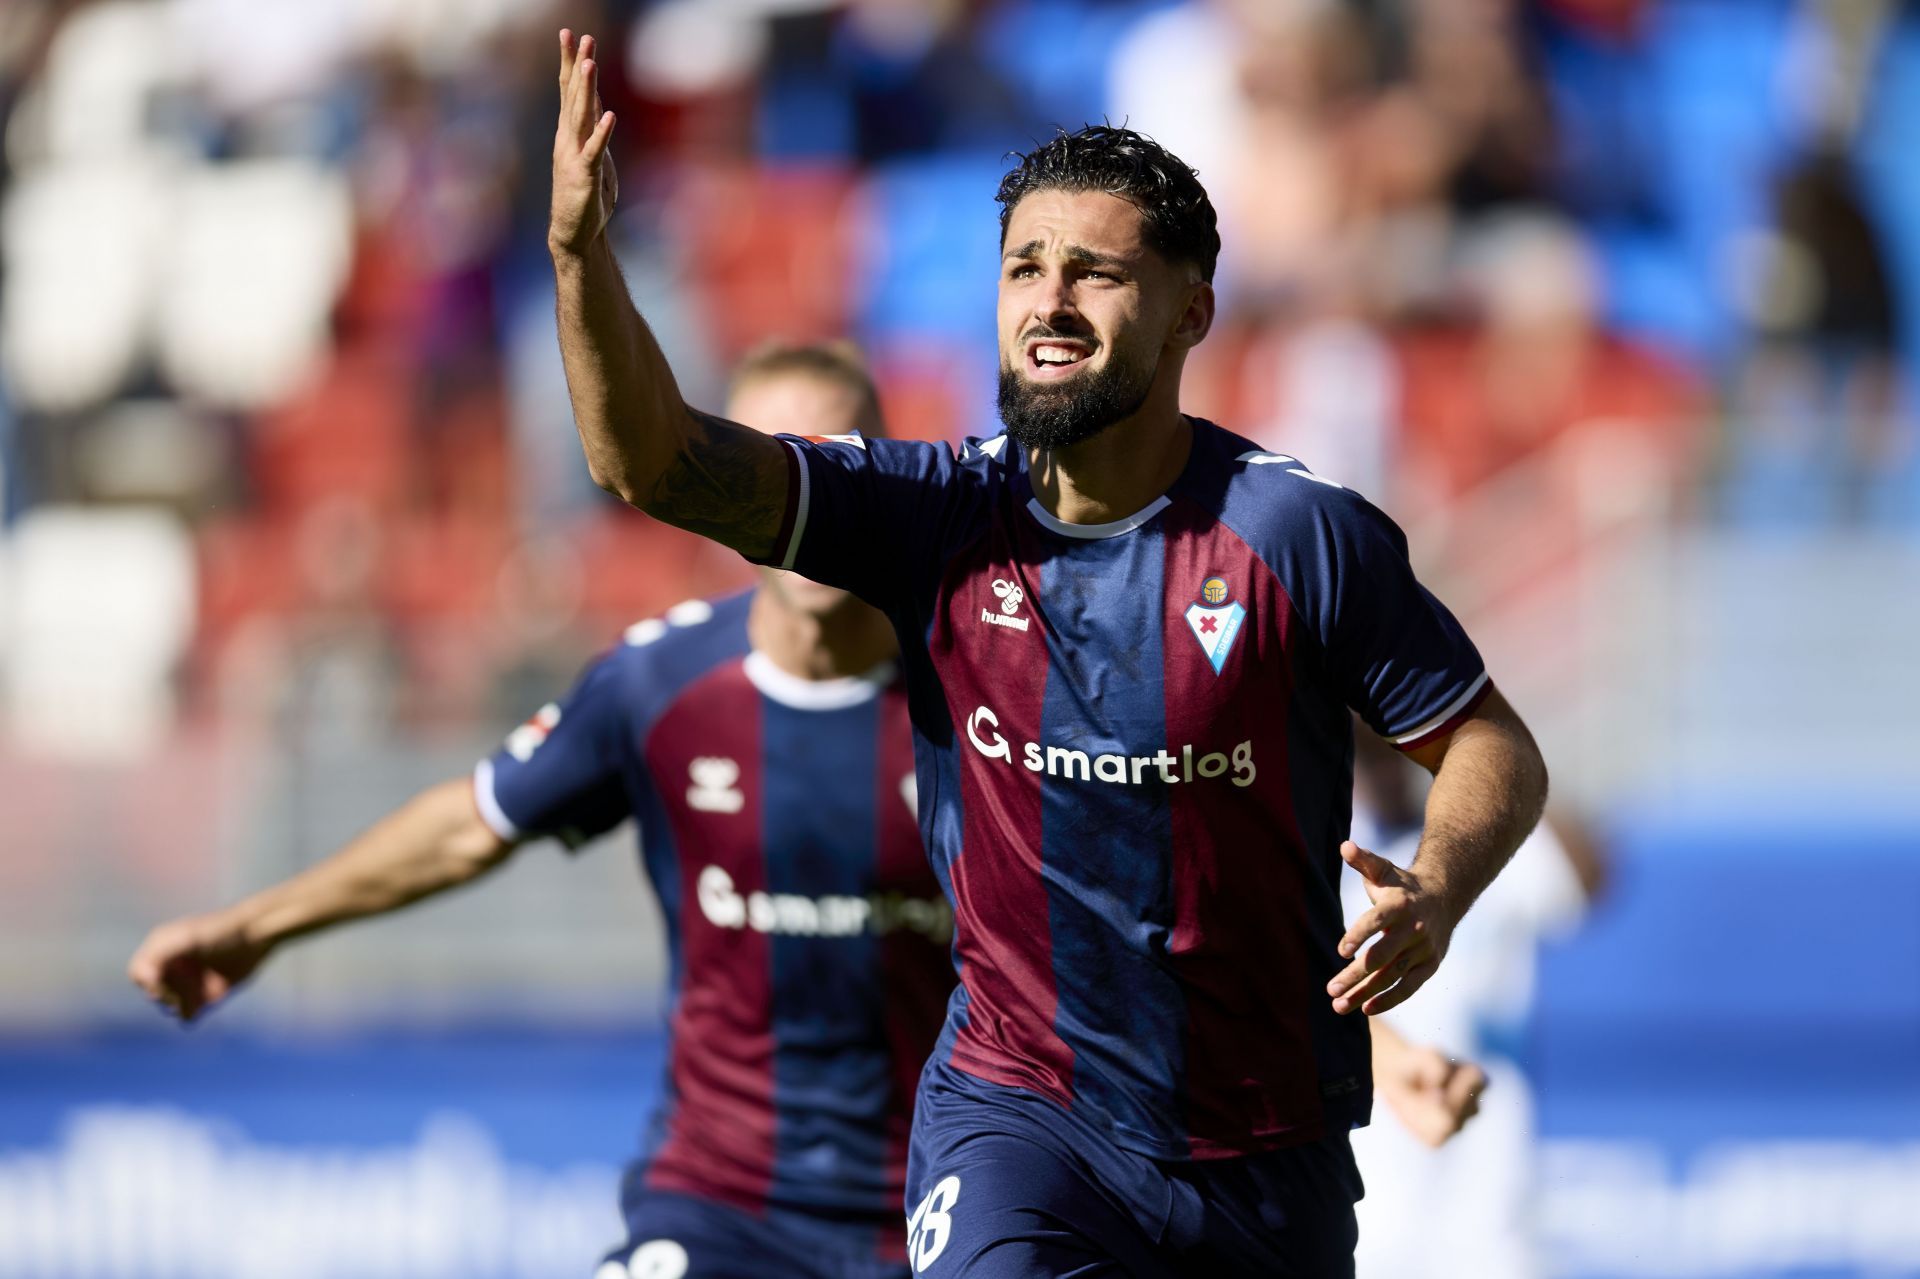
{"points": [[1135, 765], [808, 939]]}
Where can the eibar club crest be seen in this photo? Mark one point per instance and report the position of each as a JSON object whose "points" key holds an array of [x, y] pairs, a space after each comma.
{"points": [[1216, 621]]}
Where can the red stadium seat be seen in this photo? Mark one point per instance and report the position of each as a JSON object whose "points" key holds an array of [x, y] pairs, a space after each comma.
{"points": [[346, 434], [637, 567], [769, 252]]}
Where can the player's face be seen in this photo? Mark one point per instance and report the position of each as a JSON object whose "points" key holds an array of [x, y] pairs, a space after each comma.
{"points": [[798, 404], [1087, 310]]}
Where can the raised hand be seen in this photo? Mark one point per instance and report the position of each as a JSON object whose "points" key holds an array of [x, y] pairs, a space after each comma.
{"points": [[584, 184], [1415, 921], [188, 965]]}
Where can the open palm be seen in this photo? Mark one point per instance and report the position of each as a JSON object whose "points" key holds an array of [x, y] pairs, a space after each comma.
{"points": [[585, 186]]}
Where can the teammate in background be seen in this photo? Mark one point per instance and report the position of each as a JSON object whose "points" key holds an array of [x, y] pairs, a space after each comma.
{"points": [[1467, 1209], [762, 743], [1130, 639]]}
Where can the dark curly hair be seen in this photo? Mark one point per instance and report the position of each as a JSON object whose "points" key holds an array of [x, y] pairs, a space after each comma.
{"points": [[1180, 222]]}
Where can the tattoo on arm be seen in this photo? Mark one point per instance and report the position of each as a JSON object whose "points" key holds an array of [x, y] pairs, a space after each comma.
{"points": [[728, 483]]}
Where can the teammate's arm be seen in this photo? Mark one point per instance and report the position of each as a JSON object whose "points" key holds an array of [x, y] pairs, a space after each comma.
{"points": [[1432, 1094], [1489, 787], [643, 442], [434, 842]]}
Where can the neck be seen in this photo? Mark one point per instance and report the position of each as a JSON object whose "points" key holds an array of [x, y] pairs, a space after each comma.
{"points": [[1115, 473], [849, 640]]}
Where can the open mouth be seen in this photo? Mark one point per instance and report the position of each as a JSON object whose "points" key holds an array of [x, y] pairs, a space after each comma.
{"points": [[1054, 358]]}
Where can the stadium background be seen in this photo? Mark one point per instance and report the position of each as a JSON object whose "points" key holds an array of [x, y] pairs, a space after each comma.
{"points": [[1609, 302]]}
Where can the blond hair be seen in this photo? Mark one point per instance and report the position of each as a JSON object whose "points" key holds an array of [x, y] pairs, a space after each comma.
{"points": [[837, 363]]}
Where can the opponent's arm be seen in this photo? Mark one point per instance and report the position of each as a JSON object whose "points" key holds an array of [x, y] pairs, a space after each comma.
{"points": [[643, 442], [434, 842], [1489, 786], [1432, 1094]]}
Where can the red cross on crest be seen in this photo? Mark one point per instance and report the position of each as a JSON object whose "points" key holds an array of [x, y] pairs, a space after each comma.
{"points": [[1209, 624]]}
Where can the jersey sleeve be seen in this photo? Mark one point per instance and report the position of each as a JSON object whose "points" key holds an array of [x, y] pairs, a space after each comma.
{"points": [[1397, 655], [872, 516], [562, 773]]}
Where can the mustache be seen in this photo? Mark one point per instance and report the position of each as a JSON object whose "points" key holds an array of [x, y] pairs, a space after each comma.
{"points": [[1043, 332]]}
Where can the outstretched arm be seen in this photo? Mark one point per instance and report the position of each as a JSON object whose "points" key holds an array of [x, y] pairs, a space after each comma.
{"points": [[1489, 786], [642, 441], [434, 842]]}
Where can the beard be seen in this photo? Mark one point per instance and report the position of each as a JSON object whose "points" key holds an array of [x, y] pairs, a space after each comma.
{"points": [[1052, 415]]}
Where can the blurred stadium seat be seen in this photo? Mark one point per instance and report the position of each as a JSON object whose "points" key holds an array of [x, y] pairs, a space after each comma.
{"points": [[102, 608], [257, 252], [769, 252], [97, 102], [82, 249], [935, 241]]}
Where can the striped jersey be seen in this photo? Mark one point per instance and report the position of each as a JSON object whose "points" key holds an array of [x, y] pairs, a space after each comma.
{"points": [[1135, 765], [807, 937]]}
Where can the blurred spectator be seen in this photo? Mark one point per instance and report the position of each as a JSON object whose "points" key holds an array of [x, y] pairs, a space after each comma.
{"points": [[1821, 432], [1269, 137], [1818, 398], [1529, 364], [263, 264], [882, 79]]}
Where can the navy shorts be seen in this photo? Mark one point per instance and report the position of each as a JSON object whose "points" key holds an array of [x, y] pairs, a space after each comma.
{"points": [[1005, 1184], [673, 1236]]}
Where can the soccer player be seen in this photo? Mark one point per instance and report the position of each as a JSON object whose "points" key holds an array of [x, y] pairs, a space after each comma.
{"points": [[1130, 639], [762, 743]]}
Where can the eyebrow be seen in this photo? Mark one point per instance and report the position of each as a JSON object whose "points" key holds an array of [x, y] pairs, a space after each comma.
{"points": [[1078, 254]]}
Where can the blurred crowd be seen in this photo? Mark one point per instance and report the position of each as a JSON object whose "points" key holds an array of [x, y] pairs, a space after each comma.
{"points": [[283, 429]]}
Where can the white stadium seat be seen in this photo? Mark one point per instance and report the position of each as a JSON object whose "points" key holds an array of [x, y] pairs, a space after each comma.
{"points": [[259, 251], [99, 611], [80, 244]]}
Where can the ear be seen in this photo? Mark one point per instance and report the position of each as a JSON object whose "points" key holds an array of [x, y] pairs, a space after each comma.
{"points": [[1196, 319]]}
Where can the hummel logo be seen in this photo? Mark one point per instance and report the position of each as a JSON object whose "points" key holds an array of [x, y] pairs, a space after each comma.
{"points": [[1010, 598], [714, 788]]}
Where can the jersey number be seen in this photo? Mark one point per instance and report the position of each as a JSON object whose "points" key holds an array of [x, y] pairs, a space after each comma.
{"points": [[930, 1224], [655, 1259]]}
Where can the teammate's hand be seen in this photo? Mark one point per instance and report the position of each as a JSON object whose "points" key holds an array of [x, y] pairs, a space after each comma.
{"points": [[584, 183], [1414, 922], [1432, 1094], [188, 965]]}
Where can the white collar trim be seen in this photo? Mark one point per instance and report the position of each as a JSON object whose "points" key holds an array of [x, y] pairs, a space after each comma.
{"points": [[1093, 532], [801, 694]]}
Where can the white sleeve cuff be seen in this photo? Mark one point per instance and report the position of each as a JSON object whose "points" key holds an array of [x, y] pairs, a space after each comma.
{"points": [[489, 804], [1447, 712], [799, 506]]}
